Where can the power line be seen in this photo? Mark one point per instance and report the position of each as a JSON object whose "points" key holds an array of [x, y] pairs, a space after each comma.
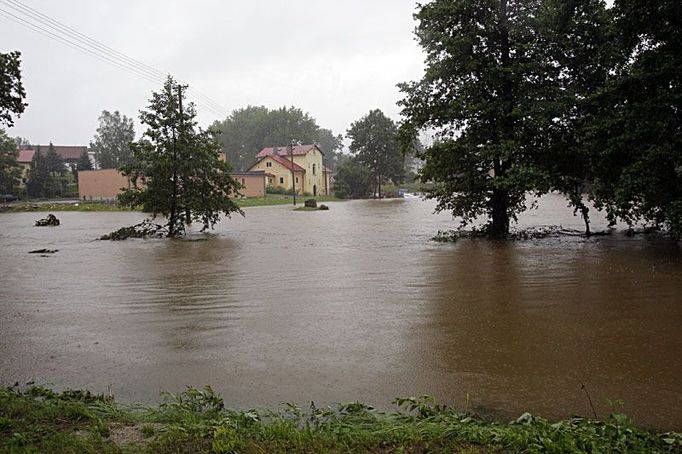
{"points": [[66, 35], [101, 48]]}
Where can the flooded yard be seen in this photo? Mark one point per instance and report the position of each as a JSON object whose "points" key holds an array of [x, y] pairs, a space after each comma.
{"points": [[351, 304]]}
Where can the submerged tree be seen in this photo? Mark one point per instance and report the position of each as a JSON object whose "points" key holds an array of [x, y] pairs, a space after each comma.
{"points": [[112, 140], [176, 171], [637, 118], [482, 94], [578, 44], [374, 143]]}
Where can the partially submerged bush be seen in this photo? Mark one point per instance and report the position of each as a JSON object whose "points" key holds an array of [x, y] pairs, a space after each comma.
{"points": [[144, 229]]}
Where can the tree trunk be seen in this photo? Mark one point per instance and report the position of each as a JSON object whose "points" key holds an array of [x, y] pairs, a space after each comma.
{"points": [[585, 212], [500, 197], [500, 214]]}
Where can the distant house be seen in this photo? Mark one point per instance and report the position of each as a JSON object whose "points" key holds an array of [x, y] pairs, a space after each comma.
{"points": [[70, 154], [107, 184], [305, 161], [25, 158], [103, 184]]}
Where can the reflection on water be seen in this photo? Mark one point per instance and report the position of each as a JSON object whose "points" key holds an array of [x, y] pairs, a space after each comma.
{"points": [[354, 303]]}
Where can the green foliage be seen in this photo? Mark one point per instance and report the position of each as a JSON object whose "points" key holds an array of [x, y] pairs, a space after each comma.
{"points": [[636, 118], [483, 94], [10, 172], [12, 92], [84, 162], [353, 180], [176, 170], [40, 420], [248, 130], [374, 143], [47, 177], [112, 140]]}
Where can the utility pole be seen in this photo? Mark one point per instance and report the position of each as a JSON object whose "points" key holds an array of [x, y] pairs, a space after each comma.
{"points": [[188, 214], [293, 176]]}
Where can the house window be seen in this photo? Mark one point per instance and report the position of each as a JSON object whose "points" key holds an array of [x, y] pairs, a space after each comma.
{"points": [[296, 179], [268, 164], [313, 169], [243, 182], [270, 180], [281, 180]]}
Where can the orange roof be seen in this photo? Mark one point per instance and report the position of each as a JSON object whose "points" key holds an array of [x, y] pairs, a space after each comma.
{"points": [[284, 151]]}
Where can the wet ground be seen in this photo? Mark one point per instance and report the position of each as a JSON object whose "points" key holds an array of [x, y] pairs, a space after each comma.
{"points": [[350, 304]]}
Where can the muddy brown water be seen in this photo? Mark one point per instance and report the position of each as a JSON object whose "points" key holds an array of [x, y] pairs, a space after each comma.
{"points": [[351, 304]]}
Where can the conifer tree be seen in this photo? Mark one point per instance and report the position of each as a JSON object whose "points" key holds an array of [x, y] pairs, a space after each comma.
{"points": [[176, 171]]}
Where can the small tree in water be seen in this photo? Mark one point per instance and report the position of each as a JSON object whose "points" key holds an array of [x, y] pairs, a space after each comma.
{"points": [[176, 171]]}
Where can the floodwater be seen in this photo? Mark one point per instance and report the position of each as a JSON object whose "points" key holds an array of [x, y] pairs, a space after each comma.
{"points": [[351, 304]]}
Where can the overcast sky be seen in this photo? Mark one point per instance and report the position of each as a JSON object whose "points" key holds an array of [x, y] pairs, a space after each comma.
{"points": [[333, 59]]}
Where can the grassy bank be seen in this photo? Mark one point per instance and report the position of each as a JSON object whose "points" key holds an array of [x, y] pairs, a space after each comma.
{"points": [[276, 199], [24, 207], [39, 420]]}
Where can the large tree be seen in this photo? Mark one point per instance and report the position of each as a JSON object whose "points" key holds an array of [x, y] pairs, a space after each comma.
{"points": [[248, 130], [10, 172], [112, 140], [353, 179], [577, 41], [175, 170], [374, 143], [637, 118], [483, 94], [12, 92]]}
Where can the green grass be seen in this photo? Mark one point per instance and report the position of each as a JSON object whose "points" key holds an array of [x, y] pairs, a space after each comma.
{"points": [[40, 420], [271, 199], [63, 206]]}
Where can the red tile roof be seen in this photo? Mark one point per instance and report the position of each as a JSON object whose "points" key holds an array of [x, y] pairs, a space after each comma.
{"points": [[284, 151], [67, 152], [26, 156], [285, 162]]}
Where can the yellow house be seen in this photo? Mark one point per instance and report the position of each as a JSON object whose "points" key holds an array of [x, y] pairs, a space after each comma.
{"points": [[309, 172]]}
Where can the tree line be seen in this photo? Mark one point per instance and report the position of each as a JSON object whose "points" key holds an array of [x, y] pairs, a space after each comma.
{"points": [[527, 97]]}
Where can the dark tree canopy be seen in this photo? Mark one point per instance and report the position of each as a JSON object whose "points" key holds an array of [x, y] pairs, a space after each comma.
{"points": [[84, 162], [637, 118], [482, 94], [250, 129], [10, 172], [374, 143], [12, 92], [112, 140], [578, 44], [353, 180], [176, 171]]}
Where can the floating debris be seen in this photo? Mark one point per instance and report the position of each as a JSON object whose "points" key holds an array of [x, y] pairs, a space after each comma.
{"points": [[44, 251], [50, 221]]}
